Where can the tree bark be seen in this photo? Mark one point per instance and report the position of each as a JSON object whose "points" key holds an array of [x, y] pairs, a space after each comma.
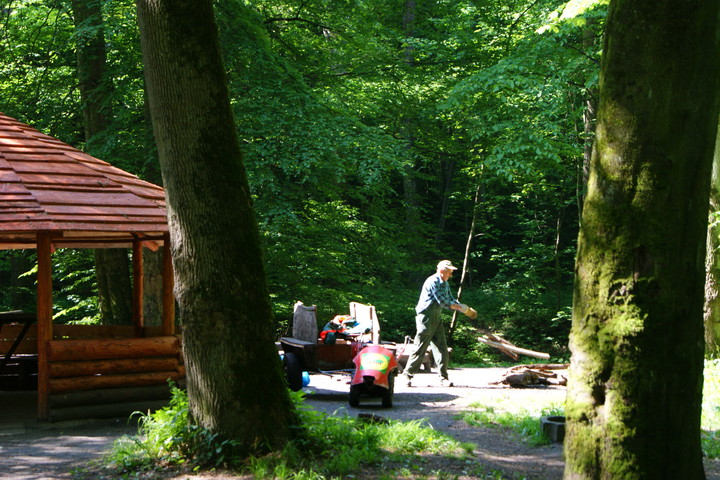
{"points": [[152, 261], [112, 269], [712, 263], [635, 388], [112, 265], [235, 381]]}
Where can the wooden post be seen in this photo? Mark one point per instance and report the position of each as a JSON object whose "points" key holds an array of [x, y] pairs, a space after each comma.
{"points": [[168, 315], [44, 320], [138, 287]]}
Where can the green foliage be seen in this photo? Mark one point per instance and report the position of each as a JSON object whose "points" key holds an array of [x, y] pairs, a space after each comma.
{"points": [[364, 141], [327, 446], [167, 436], [75, 287]]}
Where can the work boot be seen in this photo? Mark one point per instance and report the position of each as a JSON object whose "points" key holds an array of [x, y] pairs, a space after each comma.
{"points": [[444, 382]]}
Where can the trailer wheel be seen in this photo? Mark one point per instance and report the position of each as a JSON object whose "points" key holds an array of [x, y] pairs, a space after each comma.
{"points": [[387, 399], [293, 371], [354, 398]]}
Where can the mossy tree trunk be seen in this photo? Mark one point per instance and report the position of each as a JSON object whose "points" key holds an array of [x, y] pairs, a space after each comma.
{"points": [[235, 382], [634, 396]]}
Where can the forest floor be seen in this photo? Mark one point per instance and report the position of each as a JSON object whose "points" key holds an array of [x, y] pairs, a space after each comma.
{"points": [[60, 451]]}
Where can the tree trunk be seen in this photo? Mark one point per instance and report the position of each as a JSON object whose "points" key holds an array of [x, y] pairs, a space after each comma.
{"points": [[634, 395], [447, 171], [468, 249], [409, 125], [235, 381], [22, 286], [712, 263], [112, 265], [112, 269], [152, 261]]}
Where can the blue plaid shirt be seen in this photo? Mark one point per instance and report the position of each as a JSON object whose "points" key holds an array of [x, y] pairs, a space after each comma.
{"points": [[435, 290]]}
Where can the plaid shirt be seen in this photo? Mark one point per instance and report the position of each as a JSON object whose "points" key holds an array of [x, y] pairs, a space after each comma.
{"points": [[435, 290]]}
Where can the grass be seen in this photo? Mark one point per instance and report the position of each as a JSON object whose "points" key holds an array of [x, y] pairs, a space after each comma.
{"points": [[340, 447], [525, 422], [515, 416], [332, 447]]}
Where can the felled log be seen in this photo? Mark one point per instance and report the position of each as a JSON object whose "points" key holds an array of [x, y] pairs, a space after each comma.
{"points": [[508, 348], [523, 376]]}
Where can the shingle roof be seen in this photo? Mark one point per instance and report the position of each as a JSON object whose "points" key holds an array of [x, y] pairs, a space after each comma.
{"points": [[47, 185]]}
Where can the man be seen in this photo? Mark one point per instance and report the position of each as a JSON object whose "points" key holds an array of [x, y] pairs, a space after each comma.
{"points": [[434, 296]]}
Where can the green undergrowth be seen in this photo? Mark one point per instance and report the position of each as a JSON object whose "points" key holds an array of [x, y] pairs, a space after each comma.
{"points": [[330, 447]]}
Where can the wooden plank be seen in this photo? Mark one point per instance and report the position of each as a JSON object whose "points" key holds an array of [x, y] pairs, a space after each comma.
{"points": [[102, 349], [87, 181], [143, 211], [29, 345], [10, 331], [44, 319], [109, 395], [78, 198], [111, 381], [113, 366], [100, 218], [138, 285], [33, 223], [75, 332]]}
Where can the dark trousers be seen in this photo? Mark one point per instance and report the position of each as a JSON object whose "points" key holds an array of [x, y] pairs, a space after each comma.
{"points": [[430, 333]]}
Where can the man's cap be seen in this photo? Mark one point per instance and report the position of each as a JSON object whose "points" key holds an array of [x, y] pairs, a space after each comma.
{"points": [[445, 265]]}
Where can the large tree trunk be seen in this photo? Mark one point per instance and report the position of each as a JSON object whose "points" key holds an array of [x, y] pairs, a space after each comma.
{"points": [[152, 261], [235, 381], [634, 395], [112, 265], [712, 263]]}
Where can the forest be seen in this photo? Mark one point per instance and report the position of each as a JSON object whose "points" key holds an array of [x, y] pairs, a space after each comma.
{"points": [[378, 138]]}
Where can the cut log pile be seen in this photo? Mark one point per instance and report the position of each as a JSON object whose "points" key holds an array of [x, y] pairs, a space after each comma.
{"points": [[527, 376]]}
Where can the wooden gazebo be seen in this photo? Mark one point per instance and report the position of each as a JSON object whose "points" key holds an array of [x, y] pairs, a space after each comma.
{"points": [[55, 196]]}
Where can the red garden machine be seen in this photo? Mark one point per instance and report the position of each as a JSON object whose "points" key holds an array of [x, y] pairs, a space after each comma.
{"points": [[375, 370]]}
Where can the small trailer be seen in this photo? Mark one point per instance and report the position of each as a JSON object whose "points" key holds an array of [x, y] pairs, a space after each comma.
{"points": [[304, 352]]}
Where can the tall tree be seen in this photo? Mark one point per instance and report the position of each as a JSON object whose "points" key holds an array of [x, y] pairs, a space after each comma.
{"points": [[712, 263], [112, 267], [234, 376], [634, 395]]}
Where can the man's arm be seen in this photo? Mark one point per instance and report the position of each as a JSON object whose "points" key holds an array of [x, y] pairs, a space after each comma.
{"points": [[442, 295]]}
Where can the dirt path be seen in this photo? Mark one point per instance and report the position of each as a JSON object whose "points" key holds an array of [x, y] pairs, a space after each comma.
{"points": [[496, 448], [31, 451]]}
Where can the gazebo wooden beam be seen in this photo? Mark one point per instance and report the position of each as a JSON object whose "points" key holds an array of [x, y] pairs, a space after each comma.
{"points": [[44, 319], [138, 286]]}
